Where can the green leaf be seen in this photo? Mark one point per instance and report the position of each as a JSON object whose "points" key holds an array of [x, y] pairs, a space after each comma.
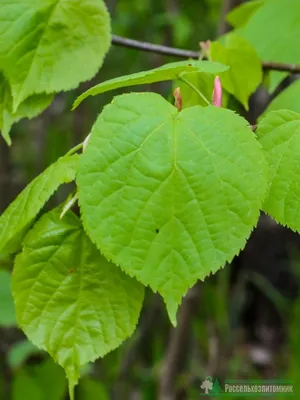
{"points": [[279, 134], [240, 15], [7, 309], [70, 301], [15, 220], [167, 72], [53, 45], [273, 30], [245, 73], [288, 99], [169, 196], [29, 108]]}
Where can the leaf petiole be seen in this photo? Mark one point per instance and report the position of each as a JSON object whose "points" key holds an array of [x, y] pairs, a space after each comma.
{"points": [[75, 149]]}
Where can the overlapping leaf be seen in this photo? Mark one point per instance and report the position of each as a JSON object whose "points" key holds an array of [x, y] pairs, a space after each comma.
{"points": [[7, 309], [53, 45], [29, 108], [167, 72], [279, 135], [69, 299], [168, 196], [273, 30], [240, 15], [288, 99], [245, 73], [21, 212]]}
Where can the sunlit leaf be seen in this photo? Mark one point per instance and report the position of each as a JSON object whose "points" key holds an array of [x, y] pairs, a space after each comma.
{"points": [[21, 212], [169, 196], [279, 134], [50, 46], [70, 301], [167, 72], [245, 73]]}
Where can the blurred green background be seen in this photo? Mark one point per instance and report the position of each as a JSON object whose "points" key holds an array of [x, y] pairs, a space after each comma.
{"points": [[242, 323]]}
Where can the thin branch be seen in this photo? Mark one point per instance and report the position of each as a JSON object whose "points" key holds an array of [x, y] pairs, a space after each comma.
{"points": [[181, 53], [154, 48]]}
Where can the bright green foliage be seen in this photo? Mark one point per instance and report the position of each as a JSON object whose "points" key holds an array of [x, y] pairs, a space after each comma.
{"points": [[240, 15], [51, 45], [245, 73], [7, 309], [69, 299], [169, 196], [288, 99], [29, 108], [274, 30], [279, 135], [167, 72], [21, 212]]}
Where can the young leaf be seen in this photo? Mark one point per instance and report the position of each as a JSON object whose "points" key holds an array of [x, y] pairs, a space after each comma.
{"points": [[288, 99], [245, 73], [70, 301], [240, 15], [170, 196], [29, 108], [279, 134], [167, 72], [275, 26], [16, 219], [51, 46]]}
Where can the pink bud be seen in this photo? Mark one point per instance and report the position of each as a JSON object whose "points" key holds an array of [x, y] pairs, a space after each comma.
{"points": [[217, 93]]}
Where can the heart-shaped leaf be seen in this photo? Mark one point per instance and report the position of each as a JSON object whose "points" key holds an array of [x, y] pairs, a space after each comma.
{"points": [[53, 45], [70, 301], [279, 134], [170, 196]]}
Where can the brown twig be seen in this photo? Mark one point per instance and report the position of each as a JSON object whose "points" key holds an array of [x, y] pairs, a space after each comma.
{"points": [[181, 53]]}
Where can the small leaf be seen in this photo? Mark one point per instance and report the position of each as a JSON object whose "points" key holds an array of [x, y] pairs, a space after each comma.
{"points": [[170, 196], [50, 46], [70, 301], [245, 73], [240, 15], [29, 108], [167, 72], [15, 220], [279, 134], [288, 99], [7, 308]]}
